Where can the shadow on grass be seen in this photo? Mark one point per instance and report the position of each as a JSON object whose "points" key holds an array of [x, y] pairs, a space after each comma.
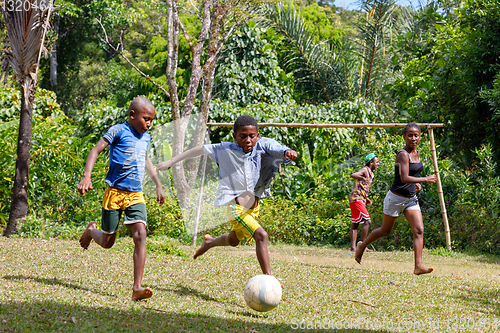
{"points": [[192, 292], [484, 300], [52, 282], [487, 258], [50, 316], [188, 291], [476, 255]]}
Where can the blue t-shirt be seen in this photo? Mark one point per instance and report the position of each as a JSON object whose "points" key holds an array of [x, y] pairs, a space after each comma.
{"points": [[127, 158]]}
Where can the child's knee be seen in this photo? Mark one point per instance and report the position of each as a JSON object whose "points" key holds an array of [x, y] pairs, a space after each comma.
{"points": [[418, 231], [385, 232], [233, 239], [108, 244], [260, 235], [108, 240], [139, 232], [234, 242]]}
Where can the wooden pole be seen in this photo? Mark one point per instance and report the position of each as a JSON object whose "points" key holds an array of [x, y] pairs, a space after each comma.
{"points": [[440, 189], [327, 125], [199, 199]]}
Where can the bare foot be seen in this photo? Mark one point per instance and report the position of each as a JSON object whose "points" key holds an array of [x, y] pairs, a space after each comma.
{"points": [[142, 293], [422, 270], [86, 237], [204, 246], [359, 253]]}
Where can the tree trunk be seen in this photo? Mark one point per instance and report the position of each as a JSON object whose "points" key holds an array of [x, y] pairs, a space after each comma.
{"points": [[212, 20], [53, 57], [374, 48], [19, 203], [181, 120]]}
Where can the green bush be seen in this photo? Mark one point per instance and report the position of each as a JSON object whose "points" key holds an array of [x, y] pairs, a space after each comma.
{"points": [[56, 167], [165, 220], [40, 227]]}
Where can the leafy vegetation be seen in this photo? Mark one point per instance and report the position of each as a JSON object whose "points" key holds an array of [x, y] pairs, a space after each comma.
{"points": [[293, 62]]}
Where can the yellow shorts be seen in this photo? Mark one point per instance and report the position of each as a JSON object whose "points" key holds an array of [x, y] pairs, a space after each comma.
{"points": [[114, 198], [115, 202], [243, 220]]}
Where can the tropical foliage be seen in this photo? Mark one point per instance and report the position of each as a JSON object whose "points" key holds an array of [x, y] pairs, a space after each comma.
{"points": [[321, 69], [292, 62], [249, 73]]}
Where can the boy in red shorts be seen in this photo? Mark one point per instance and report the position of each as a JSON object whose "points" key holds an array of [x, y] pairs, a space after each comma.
{"points": [[358, 199]]}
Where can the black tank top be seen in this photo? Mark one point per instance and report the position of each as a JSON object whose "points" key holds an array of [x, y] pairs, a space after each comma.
{"points": [[407, 190]]}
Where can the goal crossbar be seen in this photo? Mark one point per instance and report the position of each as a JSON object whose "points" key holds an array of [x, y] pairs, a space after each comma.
{"points": [[303, 125]]}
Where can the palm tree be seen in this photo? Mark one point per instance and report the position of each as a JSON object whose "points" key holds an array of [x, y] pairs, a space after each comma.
{"points": [[26, 29], [384, 21], [322, 71]]}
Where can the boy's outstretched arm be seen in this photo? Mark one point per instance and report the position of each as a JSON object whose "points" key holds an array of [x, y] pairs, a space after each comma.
{"points": [[150, 169], [86, 182], [193, 152]]}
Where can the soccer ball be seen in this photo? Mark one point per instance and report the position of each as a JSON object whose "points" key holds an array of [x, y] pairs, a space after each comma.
{"points": [[263, 292]]}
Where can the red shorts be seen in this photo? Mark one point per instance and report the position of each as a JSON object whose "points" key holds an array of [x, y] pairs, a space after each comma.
{"points": [[358, 212]]}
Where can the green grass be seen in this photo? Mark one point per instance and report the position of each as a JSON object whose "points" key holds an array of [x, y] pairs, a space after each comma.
{"points": [[53, 285]]}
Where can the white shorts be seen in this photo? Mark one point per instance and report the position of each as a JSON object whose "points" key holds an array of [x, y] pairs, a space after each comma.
{"points": [[395, 204]]}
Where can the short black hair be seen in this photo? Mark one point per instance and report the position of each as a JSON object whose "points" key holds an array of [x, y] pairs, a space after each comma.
{"points": [[410, 125], [244, 121], [139, 102]]}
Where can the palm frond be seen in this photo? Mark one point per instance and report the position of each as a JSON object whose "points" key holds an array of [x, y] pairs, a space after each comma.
{"points": [[318, 68], [26, 31], [375, 32]]}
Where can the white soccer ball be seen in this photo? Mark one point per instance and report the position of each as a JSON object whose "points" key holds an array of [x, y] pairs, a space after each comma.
{"points": [[263, 292]]}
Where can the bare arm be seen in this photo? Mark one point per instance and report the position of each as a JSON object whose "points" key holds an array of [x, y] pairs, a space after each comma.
{"points": [[360, 175], [160, 195], [403, 161], [86, 182], [193, 152]]}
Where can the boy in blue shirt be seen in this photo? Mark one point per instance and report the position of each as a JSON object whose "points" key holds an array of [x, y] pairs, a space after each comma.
{"points": [[246, 169], [128, 143]]}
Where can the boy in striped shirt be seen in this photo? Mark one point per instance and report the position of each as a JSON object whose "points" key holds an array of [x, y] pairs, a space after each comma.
{"points": [[358, 200]]}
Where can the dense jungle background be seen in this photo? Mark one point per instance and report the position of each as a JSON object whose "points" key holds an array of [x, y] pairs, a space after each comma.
{"points": [[294, 62]]}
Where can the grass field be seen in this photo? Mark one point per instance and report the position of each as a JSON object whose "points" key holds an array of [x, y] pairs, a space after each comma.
{"points": [[53, 285]]}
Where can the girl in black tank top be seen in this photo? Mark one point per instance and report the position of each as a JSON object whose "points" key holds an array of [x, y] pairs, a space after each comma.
{"points": [[401, 198], [414, 170]]}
